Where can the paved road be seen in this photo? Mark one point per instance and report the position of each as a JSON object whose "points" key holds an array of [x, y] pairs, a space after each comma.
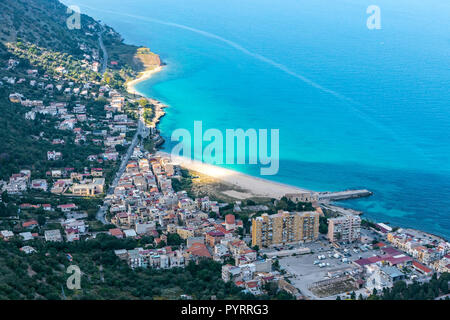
{"points": [[105, 53], [142, 131]]}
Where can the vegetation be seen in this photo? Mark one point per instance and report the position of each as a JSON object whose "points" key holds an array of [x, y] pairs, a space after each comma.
{"points": [[288, 205], [323, 225], [42, 275], [35, 33], [44, 23], [185, 183], [416, 291]]}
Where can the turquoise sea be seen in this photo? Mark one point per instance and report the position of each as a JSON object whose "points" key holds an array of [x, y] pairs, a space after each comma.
{"points": [[356, 108]]}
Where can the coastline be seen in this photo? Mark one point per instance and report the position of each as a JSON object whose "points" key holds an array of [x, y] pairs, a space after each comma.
{"points": [[252, 186], [147, 74]]}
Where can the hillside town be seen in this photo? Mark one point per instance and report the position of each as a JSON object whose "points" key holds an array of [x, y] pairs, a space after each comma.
{"points": [[101, 175]]}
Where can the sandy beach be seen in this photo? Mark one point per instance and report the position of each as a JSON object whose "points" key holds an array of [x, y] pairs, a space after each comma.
{"points": [[250, 186], [253, 186], [142, 77]]}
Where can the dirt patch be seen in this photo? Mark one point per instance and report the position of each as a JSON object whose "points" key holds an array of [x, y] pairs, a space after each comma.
{"points": [[332, 287], [237, 195], [204, 185], [30, 271]]}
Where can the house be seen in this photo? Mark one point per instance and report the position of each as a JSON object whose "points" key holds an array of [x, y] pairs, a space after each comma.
{"points": [[26, 236], [67, 207], [53, 235], [142, 228], [393, 273], [25, 206], [97, 172], [18, 182], [53, 155], [198, 250], [421, 268], [58, 187], [74, 224], [47, 206], [6, 234], [214, 237], [30, 224], [190, 241], [56, 173], [253, 287], [230, 223], [72, 234], [230, 273], [27, 249], [130, 233], [121, 253], [15, 97], [116, 232], [39, 184], [89, 189]]}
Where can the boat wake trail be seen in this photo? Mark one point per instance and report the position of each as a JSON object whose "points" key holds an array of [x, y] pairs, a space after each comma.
{"points": [[358, 108]]}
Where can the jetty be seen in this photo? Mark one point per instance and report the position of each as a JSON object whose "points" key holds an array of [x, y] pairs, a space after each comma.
{"points": [[326, 207], [343, 195]]}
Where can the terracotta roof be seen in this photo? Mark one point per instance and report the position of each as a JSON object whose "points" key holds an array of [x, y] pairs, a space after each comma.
{"points": [[398, 259], [239, 283], [199, 249], [65, 206], [229, 219], [366, 261], [252, 284], [115, 232], [421, 267], [29, 223], [216, 234]]}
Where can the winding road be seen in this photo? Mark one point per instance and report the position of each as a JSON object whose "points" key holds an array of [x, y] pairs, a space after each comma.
{"points": [[105, 53], [142, 131]]}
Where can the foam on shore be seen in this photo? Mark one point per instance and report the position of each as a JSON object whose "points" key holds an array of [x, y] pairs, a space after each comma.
{"points": [[131, 86], [257, 187]]}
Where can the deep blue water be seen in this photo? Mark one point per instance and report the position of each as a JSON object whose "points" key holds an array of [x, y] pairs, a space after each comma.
{"points": [[355, 107]]}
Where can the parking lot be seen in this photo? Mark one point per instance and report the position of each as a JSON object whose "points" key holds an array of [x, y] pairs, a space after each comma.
{"points": [[307, 269]]}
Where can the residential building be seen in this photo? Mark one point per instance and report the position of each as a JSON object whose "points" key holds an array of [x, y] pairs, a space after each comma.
{"points": [[285, 227], [346, 228], [53, 235]]}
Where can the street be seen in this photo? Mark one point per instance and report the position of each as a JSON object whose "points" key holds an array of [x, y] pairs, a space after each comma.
{"points": [[143, 132]]}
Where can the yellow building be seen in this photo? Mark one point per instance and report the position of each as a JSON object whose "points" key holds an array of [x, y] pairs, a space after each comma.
{"points": [[83, 189], [185, 233], [89, 189], [285, 227]]}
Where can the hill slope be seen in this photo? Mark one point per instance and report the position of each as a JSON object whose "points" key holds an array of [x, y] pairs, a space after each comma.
{"points": [[44, 24]]}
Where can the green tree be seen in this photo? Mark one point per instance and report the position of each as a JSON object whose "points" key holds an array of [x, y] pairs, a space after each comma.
{"points": [[41, 220]]}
